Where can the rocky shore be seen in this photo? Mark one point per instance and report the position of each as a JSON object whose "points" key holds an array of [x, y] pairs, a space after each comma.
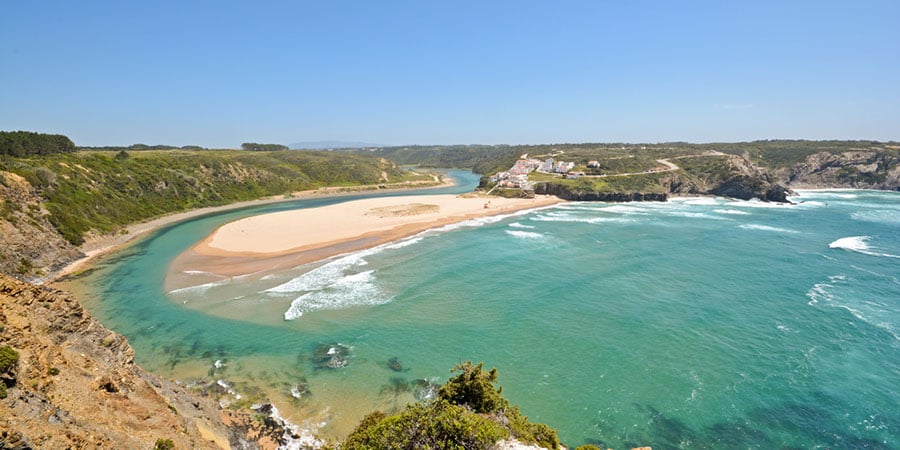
{"points": [[75, 385]]}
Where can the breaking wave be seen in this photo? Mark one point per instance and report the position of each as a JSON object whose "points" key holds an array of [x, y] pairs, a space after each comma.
{"points": [[757, 203], [520, 225], [524, 234], [577, 219], [340, 284], [888, 216], [350, 290], [837, 292], [753, 226], [694, 215], [859, 244], [733, 212], [198, 289]]}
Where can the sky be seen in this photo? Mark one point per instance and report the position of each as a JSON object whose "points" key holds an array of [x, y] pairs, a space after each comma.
{"points": [[220, 73]]}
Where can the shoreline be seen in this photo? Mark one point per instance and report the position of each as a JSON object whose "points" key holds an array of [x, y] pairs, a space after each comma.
{"points": [[274, 241], [97, 246]]}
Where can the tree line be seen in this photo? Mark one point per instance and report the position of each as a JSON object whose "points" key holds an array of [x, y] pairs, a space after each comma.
{"points": [[26, 143], [254, 147]]}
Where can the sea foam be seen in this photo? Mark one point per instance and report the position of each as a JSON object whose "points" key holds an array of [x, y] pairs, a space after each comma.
{"points": [[337, 285], [888, 216], [834, 293], [351, 290], [199, 289], [578, 219], [520, 225], [732, 212], [757, 203], [859, 244], [524, 234], [757, 227]]}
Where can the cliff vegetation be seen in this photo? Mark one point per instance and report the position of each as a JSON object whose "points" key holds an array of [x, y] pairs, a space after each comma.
{"points": [[50, 201], [469, 412]]}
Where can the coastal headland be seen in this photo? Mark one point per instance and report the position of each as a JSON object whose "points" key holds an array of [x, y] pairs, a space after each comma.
{"points": [[291, 238]]}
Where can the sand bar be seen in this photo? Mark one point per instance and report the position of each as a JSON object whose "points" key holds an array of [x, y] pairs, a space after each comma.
{"points": [[291, 238]]}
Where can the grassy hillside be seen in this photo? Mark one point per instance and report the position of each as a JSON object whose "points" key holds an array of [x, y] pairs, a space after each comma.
{"points": [[856, 164], [479, 158], [103, 191]]}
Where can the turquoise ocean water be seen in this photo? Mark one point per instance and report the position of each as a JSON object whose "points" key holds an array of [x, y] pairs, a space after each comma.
{"points": [[696, 323]]}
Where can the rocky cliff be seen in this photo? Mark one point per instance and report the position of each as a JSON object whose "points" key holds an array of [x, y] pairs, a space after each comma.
{"points": [[76, 385], [29, 245], [577, 194], [726, 176], [853, 169]]}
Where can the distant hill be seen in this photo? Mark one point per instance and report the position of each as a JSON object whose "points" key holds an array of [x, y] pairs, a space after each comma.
{"points": [[324, 145]]}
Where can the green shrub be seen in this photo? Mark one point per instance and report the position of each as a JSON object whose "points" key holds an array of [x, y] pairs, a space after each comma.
{"points": [[468, 413], [164, 444], [53, 371], [474, 387], [525, 431], [2, 389], [8, 358], [24, 266], [438, 425]]}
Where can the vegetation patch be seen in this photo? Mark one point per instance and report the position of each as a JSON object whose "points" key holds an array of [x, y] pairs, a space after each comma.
{"points": [[8, 359], [469, 412]]}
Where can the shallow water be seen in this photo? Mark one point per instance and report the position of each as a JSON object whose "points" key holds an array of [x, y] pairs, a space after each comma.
{"points": [[697, 323]]}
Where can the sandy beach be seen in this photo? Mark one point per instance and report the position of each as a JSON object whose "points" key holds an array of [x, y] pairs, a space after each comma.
{"points": [[291, 238], [99, 245]]}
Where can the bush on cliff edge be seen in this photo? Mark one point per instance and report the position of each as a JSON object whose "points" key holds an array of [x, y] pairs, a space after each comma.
{"points": [[468, 413], [8, 360]]}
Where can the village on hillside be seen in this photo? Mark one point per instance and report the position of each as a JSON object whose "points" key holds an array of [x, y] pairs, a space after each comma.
{"points": [[517, 175]]}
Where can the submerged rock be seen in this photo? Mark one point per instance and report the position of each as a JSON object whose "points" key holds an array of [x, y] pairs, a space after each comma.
{"points": [[425, 390], [394, 364], [331, 356], [396, 386], [300, 389]]}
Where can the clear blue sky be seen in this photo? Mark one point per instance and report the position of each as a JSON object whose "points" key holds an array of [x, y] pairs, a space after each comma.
{"points": [[220, 73]]}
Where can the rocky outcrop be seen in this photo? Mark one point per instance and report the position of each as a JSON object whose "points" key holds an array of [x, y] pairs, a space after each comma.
{"points": [[76, 386], [744, 180], [857, 169], [777, 193], [725, 176], [568, 193], [29, 244]]}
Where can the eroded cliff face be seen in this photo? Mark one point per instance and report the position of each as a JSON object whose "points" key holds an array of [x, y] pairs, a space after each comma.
{"points": [[76, 386], [746, 181], [29, 244], [575, 194], [858, 169]]}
